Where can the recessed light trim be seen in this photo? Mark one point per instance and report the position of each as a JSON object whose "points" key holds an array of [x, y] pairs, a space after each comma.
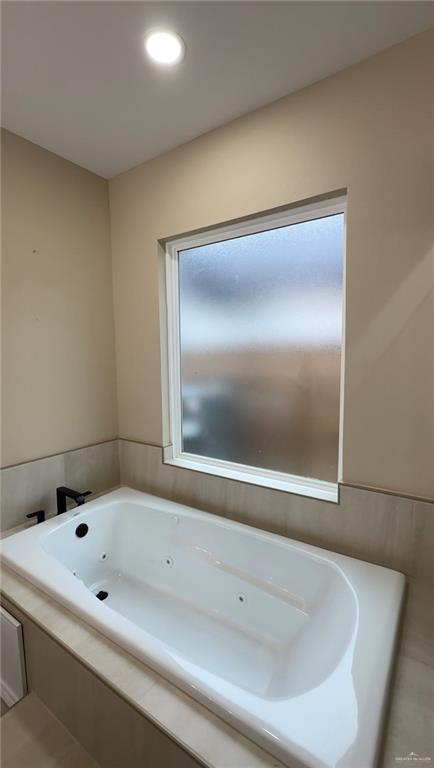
{"points": [[164, 47]]}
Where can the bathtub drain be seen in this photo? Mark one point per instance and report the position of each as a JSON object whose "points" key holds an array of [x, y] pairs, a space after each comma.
{"points": [[81, 530]]}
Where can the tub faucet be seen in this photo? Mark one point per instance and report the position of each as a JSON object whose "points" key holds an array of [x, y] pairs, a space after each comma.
{"points": [[63, 493]]}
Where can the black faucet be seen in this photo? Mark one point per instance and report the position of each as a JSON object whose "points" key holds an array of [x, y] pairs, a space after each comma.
{"points": [[40, 515], [63, 493]]}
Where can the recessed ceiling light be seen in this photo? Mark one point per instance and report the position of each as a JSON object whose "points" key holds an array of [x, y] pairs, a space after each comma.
{"points": [[165, 47]]}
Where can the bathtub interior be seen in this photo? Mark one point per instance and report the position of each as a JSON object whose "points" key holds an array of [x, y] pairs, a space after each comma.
{"points": [[253, 612]]}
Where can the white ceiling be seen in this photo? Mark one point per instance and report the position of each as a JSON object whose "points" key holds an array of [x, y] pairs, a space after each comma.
{"points": [[75, 79]]}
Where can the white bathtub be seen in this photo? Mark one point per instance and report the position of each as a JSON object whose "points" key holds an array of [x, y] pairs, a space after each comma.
{"points": [[290, 644]]}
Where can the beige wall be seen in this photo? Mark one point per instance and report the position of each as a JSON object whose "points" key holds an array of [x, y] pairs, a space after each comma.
{"points": [[58, 350], [367, 129]]}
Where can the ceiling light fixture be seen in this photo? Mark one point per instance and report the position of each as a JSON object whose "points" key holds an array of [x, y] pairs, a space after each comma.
{"points": [[165, 48]]}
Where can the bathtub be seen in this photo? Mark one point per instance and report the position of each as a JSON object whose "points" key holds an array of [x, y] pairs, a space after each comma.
{"points": [[290, 644]]}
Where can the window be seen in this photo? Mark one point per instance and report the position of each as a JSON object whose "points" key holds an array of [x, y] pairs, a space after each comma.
{"points": [[254, 349]]}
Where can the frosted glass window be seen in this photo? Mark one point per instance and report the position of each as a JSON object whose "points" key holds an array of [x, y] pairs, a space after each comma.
{"points": [[260, 324]]}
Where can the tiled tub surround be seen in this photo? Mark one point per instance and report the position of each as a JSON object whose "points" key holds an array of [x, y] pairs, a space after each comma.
{"points": [[380, 528], [30, 486]]}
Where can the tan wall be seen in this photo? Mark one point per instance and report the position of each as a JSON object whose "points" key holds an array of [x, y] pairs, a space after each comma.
{"points": [[367, 129], [58, 349]]}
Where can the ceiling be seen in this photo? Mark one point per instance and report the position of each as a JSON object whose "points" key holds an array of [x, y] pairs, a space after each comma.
{"points": [[75, 79]]}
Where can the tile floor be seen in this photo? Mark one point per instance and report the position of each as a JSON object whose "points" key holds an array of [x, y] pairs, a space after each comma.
{"points": [[33, 738]]}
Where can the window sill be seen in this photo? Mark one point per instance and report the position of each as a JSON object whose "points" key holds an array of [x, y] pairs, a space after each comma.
{"points": [[302, 486]]}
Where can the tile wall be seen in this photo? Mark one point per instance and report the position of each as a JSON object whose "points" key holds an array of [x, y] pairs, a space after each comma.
{"points": [[32, 485]]}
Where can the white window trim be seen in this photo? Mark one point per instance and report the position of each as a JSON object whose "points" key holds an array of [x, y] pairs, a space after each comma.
{"points": [[173, 453]]}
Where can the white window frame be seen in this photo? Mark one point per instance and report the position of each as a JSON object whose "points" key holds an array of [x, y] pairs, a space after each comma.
{"points": [[173, 453]]}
